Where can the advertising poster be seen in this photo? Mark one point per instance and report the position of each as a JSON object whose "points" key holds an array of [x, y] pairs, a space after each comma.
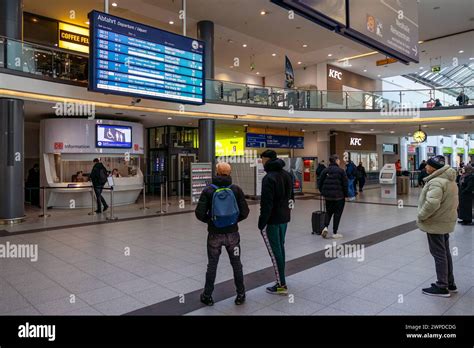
{"points": [[289, 74]]}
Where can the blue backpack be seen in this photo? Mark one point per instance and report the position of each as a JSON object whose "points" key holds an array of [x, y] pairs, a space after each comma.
{"points": [[225, 211]]}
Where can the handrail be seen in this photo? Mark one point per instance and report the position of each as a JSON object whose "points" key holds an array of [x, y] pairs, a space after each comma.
{"points": [[63, 68]]}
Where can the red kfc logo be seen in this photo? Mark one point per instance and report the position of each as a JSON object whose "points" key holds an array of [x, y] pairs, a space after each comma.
{"points": [[136, 147], [58, 146]]}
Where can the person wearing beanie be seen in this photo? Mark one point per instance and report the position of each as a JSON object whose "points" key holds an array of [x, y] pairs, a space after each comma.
{"points": [[437, 213], [466, 187], [276, 201]]}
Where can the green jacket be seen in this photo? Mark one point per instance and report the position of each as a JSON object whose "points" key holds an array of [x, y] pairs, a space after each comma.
{"points": [[437, 206]]}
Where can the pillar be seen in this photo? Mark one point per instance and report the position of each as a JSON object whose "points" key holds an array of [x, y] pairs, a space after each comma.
{"points": [[11, 19], [205, 32], [207, 141], [12, 205]]}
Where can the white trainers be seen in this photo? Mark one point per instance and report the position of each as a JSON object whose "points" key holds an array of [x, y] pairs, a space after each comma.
{"points": [[337, 236], [324, 232]]}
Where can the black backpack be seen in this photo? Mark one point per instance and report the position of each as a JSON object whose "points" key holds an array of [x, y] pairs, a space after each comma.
{"points": [[102, 176]]}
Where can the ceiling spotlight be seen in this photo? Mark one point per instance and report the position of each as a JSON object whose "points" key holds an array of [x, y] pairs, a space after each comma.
{"points": [[171, 22], [35, 20], [87, 22], [365, 70], [274, 54], [244, 45], [421, 68], [258, 73], [114, 4], [305, 45], [299, 62], [442, 128], [230, 41], [391, 132], [246, 125], [303, 130], [263, 13], [170, 118], [461, 51], [371, 129], [425, 126], [379, 75], [330, 55]]}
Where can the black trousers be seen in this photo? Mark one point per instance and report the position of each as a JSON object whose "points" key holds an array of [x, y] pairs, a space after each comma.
{"points": [[99, 198], [334, 208], [361, 182], [231, 242], [439, 249]]}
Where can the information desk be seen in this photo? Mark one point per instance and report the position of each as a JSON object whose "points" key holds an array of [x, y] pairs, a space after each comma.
{"points": [[78, 195]]}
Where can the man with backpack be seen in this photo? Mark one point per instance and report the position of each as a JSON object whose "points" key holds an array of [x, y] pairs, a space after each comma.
{"points": [[222, 205], [99, 179], [276, 202]]}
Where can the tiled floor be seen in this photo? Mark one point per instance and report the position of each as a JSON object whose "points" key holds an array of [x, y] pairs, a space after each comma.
{"points": [[120, 267]]}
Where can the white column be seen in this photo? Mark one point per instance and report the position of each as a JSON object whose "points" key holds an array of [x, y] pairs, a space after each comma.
{"points": [[403, 151]]}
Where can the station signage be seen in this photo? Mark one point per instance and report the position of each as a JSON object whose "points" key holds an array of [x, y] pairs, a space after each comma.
{"points": [[355, 142], [72, 37], [386, 61], [335, 74], [133, 59]]}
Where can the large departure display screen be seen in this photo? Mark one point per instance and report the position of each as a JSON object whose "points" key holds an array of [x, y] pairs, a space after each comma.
{"points": [[129, 58]]}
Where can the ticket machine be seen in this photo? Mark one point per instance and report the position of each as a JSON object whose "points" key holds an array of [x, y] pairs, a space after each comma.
{"points": [[388, 181]]}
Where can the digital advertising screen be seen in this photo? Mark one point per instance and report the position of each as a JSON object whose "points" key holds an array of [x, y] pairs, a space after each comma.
{"points": [[133, 59], [111, 136]]}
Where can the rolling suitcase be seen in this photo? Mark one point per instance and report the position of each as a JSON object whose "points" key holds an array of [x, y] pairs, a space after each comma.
{"points": [[318, 217]]}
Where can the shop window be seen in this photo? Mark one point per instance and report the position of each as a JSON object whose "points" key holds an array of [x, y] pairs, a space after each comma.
{"points": [[40, 30]]}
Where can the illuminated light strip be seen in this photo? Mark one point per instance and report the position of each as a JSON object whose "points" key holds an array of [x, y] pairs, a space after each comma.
{"points": [[50, 98], [365, 54]]}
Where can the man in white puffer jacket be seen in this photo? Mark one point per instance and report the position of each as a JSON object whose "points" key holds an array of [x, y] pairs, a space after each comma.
{"points": [[437, 214]]}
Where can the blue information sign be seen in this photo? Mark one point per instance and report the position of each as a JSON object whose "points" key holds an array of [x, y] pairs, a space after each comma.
{"points": [[278, 141], [129, 58], [256, 140], [297, 142]]}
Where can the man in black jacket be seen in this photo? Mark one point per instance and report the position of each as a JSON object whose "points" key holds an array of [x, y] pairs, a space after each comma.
{"points": [[228, 237], [319, 170], [333, 185], [99, 178], [276, 202]]}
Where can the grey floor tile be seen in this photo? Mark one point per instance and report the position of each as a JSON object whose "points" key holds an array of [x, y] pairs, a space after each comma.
{"points": [[166, 277], [154, 295], [268, 311], [135, 285], [119, 306], [118, 277], [84, 311], [297, 306], [206, 311], [417, 303], [383, 297], [100, 295], [13, 302], [393, 286], [46, 295], [340, 285], [24, 311], [393, 311], [330, 311], [358, 306], [321, 295], [184, 286], [229, 308], [83, 285], [61, 306]]}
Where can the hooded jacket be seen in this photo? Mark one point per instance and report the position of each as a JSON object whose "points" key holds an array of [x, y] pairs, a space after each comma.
{"points": [[333, 183], [204, 206], [437, 206], [277, 191]]}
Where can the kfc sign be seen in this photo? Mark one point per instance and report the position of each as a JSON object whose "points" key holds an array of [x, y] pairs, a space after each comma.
{"points": [[335, 74], [356, 142]]}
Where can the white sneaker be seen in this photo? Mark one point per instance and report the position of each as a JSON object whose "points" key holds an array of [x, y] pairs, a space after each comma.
{"points": [[337, 236], [324, 232]]}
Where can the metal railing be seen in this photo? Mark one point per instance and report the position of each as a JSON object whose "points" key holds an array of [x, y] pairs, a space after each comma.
{"points": [[59, 65]]}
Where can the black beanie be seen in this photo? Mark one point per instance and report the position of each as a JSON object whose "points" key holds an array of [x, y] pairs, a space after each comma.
{"points": [[437, 162], [269, 154]]}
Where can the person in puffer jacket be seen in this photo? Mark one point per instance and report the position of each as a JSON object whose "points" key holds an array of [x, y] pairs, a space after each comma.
{"points": [[437, 214]]}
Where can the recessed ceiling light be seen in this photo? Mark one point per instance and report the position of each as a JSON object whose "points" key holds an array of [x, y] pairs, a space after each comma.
{"points": [[246, 125], [365, 70], [299, 62], [421, 68], [379, 75], [236, 131], [305, 45], [87, 22], [442, 128], [230, 41], [258, 73], [171, 22], [330, 55], [461, 51], [170, 118], [274, 54], [391, 132], [35, 20], [114, 4], [263, 13], [425, 126], [371, 129], [303, 130], [244, 45]]}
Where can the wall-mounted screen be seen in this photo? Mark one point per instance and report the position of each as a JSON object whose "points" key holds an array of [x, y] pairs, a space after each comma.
{"points": [[110, 136], [133, 59]]}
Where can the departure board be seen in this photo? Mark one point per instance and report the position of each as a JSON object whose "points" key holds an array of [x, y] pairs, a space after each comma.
{"points": [[133, 59]]}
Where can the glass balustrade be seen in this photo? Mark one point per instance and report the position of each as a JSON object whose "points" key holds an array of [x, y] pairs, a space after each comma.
{"points": [[56, 64]]}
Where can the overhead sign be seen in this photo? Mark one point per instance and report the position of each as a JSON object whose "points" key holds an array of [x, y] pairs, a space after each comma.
{"points": [[335, 74], [256, 140], [274, 141], [355, 142], [386, 61], [133, 59], [74, 38], [389, 26]]}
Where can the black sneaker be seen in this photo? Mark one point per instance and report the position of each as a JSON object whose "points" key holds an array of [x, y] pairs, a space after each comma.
{"points": [[98, 211], [436, 291], [105, 208], [278, 289], [240, 299], [207, 300], [451, 288]]}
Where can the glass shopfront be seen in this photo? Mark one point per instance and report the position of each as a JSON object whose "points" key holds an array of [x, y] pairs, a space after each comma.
{"points": [[370, 160]]}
